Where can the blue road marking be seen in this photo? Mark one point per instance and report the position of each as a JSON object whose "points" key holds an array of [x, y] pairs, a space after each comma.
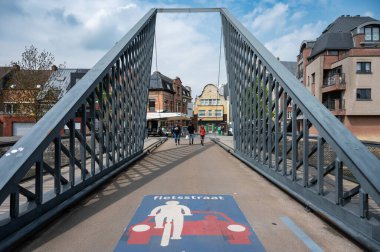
{"points": [[301, 235], [201, 223]]}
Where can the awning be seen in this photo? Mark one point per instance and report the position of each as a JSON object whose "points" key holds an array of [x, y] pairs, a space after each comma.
{"points": [[167, 116]]}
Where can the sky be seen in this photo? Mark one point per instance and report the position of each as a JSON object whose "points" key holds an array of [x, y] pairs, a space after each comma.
{"points": [[79, 32]]}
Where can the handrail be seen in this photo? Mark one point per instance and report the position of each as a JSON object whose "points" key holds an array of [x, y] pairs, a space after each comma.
{"points": [[260, 87], [112, 95], [364, 164], [64, 109]]}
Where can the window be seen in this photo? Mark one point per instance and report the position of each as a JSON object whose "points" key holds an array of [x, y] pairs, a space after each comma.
{"points": [[204, 102], [363, 67], [209, 113], [218, 113], [300, 71], [11, 108], [202, 113], [371, 33], [363, 94], [289, 115], [313, 78], [333, 53], [152, 105]]}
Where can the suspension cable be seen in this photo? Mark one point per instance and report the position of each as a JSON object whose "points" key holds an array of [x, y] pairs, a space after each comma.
{"points": [[218, 84], [220, 52], [158, 93], [155, 47]]}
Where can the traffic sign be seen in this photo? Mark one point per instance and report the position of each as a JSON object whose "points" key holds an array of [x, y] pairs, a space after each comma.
{"points": [[185, 223]]}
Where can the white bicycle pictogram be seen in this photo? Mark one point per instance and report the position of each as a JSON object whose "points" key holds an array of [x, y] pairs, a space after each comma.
{"points": [[173, 215]]}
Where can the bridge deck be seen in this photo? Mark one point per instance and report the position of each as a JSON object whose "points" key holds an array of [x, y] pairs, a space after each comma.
{"points": [[97, 223]]}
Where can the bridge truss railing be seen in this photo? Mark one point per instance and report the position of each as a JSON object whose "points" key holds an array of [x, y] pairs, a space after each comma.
{"points": [[103, 116], [281, 131], [284, 132]]}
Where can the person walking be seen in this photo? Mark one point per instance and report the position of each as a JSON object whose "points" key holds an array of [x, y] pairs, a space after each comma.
{"points": [[177, 134], [191, 130], [172, 131], [202, 132]]}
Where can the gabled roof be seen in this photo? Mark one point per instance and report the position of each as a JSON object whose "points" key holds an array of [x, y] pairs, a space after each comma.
{"points": [[186, 92], [338, 35], [24, 79], [4, 76], [159, 81], [346, 24], [61, 81], [291, 66], [213, 86], [4, 71]]}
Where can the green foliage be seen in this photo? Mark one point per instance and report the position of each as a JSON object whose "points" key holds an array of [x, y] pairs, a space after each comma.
{"points": [[263, 90]]}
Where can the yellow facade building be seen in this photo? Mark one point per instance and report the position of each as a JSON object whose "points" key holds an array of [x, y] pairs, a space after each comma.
{"points": [[211, 109]]}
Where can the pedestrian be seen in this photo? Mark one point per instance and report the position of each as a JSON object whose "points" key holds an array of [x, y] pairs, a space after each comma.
{"points": [[191, 130], [177, 134], [202, 132], [172, 131]]}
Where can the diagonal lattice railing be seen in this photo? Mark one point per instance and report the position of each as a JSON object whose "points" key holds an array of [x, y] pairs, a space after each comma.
{"points": [[280, 130], [286, 134], [93, 131]]}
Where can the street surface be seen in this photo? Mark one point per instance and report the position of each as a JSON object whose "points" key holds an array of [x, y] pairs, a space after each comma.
{"points": [[279, 222]]}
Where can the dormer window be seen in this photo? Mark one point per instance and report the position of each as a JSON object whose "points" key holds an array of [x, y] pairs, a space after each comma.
{"points": [[371, 33]]}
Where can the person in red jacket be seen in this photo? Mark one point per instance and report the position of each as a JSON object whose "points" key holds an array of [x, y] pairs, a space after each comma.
{"points": [[202, 132]]}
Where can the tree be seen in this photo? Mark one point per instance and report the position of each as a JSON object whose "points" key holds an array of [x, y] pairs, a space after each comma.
{"points": [[28, 78], [33, 60]]}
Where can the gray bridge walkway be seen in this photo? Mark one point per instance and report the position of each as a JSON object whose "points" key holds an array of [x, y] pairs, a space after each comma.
{"points": [[97, 223]]}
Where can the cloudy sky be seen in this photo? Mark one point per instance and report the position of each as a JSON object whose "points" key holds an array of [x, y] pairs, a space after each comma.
{"points": [[80, 32]]}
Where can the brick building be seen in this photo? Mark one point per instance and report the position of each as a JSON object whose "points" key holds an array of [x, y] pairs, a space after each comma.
{"points": [[342, 69], [167, 102], [18, 94], [26, 95]]}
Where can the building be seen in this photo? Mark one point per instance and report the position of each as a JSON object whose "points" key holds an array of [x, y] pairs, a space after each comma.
{"points": [[291, 66], [26, 95], [341, 68], [168, 103], [18, 104], [212, 109], [59, 82]]}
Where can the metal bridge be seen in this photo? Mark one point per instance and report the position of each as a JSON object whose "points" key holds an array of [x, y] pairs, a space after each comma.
{"points": [[110, 104]]}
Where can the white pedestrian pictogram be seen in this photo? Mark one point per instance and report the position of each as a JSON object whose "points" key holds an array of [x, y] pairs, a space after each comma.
{"points": [[173, 214]]}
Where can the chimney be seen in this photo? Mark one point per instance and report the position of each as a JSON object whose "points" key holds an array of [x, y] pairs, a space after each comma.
{"points": [[16, 67], [54, 68]]}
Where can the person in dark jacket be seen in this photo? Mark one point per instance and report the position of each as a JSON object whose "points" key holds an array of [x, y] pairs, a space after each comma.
{"points": [[191, 130], [177, 133]]}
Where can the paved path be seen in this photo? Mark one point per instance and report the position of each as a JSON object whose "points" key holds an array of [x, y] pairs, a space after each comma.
{"points": [[97, 223]]}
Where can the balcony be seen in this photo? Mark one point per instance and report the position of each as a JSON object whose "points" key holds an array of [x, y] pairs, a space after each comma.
{"points": [[336, 107], [334, 83]]}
